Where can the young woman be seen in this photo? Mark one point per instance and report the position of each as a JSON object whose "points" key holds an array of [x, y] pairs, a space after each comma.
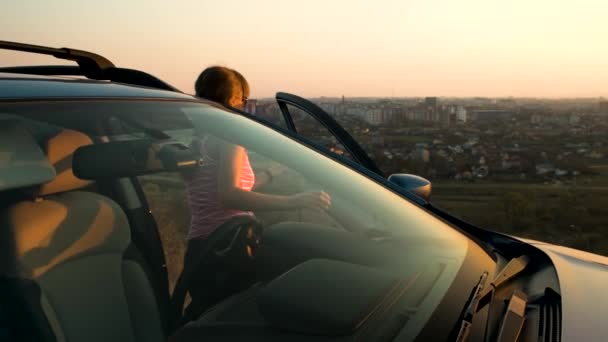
{"points": [[224, 186]]}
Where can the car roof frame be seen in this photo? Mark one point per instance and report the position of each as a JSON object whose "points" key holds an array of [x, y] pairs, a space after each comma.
{"points": [[90, 65]]}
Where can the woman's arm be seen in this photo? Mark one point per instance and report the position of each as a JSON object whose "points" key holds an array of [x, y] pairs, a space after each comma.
{"points": [[232, 196], [267, 175]]}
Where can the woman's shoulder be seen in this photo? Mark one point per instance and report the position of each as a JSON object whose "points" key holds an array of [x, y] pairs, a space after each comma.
{"points": [[212, 146]]}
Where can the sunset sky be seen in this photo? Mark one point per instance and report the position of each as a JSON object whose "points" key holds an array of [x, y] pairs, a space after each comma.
{"points": [[315, 48]]}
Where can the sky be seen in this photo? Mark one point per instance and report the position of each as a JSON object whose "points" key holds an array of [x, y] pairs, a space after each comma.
{"points": [[520, 48]]}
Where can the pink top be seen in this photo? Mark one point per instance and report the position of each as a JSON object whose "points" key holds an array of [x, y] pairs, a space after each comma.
{"points": [[203, 196]]}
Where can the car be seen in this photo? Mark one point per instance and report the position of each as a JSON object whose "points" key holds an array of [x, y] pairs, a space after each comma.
{"points": [[93, 159]]}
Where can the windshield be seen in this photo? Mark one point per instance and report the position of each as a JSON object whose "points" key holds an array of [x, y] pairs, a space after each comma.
{"points": [[311, 206]]}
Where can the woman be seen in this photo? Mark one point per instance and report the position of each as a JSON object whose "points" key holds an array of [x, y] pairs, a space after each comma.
{"points": [[222, 187]]}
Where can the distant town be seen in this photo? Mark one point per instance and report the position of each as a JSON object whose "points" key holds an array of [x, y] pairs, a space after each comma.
{"points": [[467, 139]]}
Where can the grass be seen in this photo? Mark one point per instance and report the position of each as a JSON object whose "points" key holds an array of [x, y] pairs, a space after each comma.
{"points": [[571, 216]]}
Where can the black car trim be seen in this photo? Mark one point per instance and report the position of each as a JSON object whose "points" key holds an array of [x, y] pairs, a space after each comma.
{"points": [[90, 65], [42, 99], [287, 117], [114, 74], [90, 62]]}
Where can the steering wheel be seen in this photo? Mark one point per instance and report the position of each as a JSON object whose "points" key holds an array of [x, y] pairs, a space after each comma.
{"points": [[228, 263], [236, 242]]}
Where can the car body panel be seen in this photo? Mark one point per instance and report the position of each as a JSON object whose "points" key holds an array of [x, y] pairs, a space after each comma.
{"points": [[582, 279]]}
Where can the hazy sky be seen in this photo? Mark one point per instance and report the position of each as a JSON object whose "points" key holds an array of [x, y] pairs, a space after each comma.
{"points": [[334, 47]]}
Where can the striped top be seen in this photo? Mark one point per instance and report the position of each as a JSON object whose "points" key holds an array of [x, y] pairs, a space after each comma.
{"points": [[203, 197]]}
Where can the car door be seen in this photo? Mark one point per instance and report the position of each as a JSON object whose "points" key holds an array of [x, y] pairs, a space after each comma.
{"points": [[312, 122]]}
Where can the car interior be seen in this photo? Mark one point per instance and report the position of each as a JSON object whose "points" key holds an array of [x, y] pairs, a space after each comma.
{"points": [[64, 232], [75, 214]]}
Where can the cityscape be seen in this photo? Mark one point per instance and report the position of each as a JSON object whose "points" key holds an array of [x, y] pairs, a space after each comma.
{"points": [[467, 139]]}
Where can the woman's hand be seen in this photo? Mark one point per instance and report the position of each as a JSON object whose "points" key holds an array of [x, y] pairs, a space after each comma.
{"points": [[312, 200]]}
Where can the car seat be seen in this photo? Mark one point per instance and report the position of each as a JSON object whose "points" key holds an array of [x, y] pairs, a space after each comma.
{"points": [[76, 248]]}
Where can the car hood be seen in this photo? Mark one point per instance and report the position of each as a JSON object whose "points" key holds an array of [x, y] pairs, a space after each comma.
{"points": [[583, 281]]}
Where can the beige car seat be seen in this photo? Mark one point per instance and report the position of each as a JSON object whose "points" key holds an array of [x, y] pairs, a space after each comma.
{"points": [[76, 246]]}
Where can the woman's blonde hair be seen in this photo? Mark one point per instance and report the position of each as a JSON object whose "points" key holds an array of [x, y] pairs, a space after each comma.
{"points": [[217, 83]]}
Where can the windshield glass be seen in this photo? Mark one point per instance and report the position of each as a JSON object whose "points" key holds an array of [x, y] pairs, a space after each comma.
{"points": [[310, 206]]}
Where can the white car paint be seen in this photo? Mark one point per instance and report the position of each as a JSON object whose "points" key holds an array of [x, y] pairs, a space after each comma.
{"points": [[583, 281]]}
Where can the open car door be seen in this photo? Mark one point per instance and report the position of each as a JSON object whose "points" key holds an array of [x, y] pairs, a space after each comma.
{"points": [[313, 123], [310, 121]]}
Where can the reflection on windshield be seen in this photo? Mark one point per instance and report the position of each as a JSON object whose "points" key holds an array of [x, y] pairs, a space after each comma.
{"points": [[310, 206], [381, 208]]}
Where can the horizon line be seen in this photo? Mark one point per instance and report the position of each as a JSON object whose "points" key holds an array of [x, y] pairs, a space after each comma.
{"points": [[599, 97]]}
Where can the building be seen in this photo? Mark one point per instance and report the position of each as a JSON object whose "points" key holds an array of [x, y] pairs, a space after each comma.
{"points": [[603, 107], [430, 109], [342, 107], [444, 117], [269, 111], [574, 119], [330, 108], [430, 102], [461, 114], [536, 119], [557, 119], [448, 115], [374, 116], [487, 115], [355, 111]]}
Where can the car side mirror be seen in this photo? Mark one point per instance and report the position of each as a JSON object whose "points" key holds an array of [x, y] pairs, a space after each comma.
{"points": [[413, 183]]}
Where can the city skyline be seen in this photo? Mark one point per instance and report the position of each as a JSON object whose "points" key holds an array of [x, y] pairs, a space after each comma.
{"points": [[469, 48]]}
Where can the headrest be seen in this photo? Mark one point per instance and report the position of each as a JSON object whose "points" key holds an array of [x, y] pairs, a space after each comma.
{"points": [[59, 150], [22, 162]]}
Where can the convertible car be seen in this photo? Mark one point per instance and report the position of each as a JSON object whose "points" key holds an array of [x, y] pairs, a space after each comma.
{"points": [[82, 258]]}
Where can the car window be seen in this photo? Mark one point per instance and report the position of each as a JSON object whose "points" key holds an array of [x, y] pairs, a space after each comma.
{"points": [[310, 128], [310, 206], [269, 111]]}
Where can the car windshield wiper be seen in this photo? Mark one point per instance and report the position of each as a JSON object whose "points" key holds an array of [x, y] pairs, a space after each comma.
{"points": [[471, 309], [514, 267], [482, 295]]}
